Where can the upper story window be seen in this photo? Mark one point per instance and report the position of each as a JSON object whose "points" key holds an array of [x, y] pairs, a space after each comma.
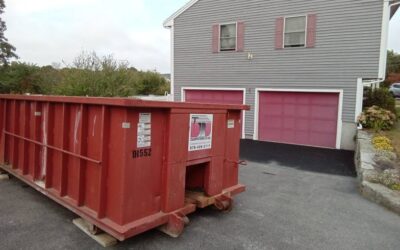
{"points": [[228, 37], [295, 31]]}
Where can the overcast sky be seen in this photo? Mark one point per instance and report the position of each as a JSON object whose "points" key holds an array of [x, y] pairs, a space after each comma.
{"points": [[48, 31]]}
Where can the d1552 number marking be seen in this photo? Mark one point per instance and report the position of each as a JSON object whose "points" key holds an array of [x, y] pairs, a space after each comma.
{"points": [[141, 153]]}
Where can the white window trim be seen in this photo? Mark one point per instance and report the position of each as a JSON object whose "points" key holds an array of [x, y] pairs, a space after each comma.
{"points": [[219, 37], [221, 89], [340, 106], [284, 31]]}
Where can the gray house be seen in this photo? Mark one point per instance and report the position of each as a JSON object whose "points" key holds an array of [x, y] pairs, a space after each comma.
{"points": [[300, 64]]}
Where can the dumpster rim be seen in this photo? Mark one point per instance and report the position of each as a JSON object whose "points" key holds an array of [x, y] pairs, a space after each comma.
{"points": [[122, 101]]}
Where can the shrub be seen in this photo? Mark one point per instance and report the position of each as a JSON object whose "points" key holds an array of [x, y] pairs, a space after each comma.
{"points": [[380, 97], [377, 118], [389, 178], [89, 75], [382, 143], [386, 154], [395, 187]]}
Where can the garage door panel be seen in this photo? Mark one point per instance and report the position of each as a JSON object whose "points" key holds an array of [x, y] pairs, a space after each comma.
{"points": [[303, 111], [300, 137], [289, 123], [323, 112], [302, 124], [287, 135], [320, 140], [214, 96], [273, 110], [289, 109], [326, 100], [323, 126], [289, 100], [276, 123], [298, 118], [275, 137]]}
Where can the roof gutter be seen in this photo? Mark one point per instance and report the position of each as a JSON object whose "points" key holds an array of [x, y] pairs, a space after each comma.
{"points": [[394, 9]]}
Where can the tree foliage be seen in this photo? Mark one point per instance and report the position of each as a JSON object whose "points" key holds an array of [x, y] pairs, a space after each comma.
{"points": [[393, 62], [88, 75], [7, 51]]}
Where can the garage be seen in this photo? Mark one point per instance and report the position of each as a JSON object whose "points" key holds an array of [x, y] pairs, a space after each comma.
{"points": [[218, 96], [303, 118]]}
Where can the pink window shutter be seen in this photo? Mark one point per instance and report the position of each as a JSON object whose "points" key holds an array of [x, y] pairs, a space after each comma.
{"points": [[215, 38], [240, 37], [311, 30], [279, 33]]}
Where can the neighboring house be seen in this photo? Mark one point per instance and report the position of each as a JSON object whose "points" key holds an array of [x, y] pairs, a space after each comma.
{"points": [[300, 64]]}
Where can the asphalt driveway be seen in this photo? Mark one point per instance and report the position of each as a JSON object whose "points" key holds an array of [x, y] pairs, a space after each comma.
{"points": [[290, 203]]}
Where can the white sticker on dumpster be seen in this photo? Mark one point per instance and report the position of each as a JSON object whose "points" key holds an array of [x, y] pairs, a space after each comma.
{"points": [[200, 131], [231, 124], [144, 130]]}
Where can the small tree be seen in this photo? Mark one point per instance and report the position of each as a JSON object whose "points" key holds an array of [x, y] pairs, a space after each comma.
{"points": [[7, 51]]}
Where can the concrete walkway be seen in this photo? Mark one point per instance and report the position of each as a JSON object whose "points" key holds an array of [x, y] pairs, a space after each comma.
{"points": [[285, 207]]}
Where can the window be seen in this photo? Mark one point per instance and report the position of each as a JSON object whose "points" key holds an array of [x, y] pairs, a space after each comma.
{"points": [[396, 86], [295, 31], [228, 37]]}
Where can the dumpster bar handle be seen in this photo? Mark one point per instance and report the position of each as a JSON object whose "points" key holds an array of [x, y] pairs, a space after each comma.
{"points": [[52, 147]]}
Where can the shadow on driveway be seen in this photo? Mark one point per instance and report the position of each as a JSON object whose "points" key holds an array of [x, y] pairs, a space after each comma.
{"points": [[328, 161]]}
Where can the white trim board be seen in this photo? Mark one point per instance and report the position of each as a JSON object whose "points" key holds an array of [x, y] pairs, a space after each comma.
{"points": [[384, 40], [221, 89], [172, 83], [339, 120]]}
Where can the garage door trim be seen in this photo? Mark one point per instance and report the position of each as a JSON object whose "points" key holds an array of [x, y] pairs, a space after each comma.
{"points": [[243, 90], [339, 120]]}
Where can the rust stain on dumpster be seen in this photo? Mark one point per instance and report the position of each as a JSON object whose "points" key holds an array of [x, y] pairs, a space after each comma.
{"points": [[172, 158]]}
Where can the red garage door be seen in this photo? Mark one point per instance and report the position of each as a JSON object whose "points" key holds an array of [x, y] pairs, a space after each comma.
{"points": [[214, 96], [298, 118]]}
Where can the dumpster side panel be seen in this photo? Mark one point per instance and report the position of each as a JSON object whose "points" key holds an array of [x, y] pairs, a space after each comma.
{"points": [[73, 163], [115, 165], [34, 134], [93, 151], [232, 144], [57, 136], [175, 168], [143, 173], [2, 120]]}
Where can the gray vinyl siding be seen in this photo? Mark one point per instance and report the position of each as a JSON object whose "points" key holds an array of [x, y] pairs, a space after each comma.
{"points": [[347, 47]]}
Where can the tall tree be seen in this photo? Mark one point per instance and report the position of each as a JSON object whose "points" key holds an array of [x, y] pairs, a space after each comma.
{"points": [[393, 62], [7, 51]]}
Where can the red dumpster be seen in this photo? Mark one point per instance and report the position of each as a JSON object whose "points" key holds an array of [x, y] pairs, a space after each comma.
{"points": [[124, 165]]}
